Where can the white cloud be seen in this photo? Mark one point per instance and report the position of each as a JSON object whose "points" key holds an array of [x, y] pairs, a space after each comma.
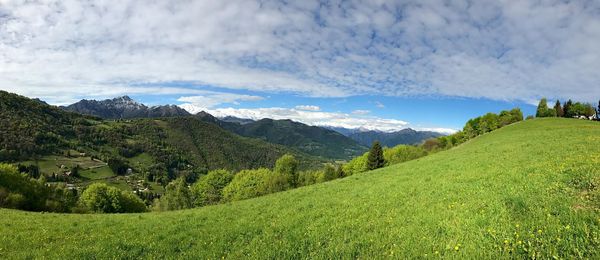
{"points": [[210, 99], [379, 104], [308, 108], [447, 131], [361, 112], [317, 118], [503, 50]]}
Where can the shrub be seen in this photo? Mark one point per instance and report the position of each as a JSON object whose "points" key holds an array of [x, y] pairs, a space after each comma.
{"points": [[328, 173], [356, 165], [306, 178], [403, 153], [247, 184], [209, 189]]}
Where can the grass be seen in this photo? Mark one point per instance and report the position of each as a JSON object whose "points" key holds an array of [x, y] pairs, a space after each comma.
{"points": [[99, 173], [529, 190], [51, 164], [141, 161]]}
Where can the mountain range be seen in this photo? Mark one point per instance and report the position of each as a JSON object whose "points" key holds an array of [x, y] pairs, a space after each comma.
{"points": [[326, 142], [124, 107], [390, 139], [30, 130]]}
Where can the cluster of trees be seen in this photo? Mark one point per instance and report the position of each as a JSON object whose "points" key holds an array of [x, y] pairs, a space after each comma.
{"points": [[568, 109], [21, 191], [101, 198], [402, 153], [220, 186], [473, 128], [378, 157]]}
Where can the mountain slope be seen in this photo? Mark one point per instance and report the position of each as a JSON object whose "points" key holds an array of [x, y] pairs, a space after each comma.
{"points": [[312, 140], [31, 129], [404, 136], [518, 192], [124, 107], [216, 148]]}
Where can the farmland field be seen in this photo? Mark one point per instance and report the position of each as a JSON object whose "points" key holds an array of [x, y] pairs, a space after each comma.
{"points": [[530, 189]]}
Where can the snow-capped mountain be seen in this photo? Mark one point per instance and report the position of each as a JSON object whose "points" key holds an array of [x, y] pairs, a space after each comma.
{"points": [[123, 107]]}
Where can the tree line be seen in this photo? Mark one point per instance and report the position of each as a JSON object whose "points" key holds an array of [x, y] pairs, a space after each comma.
{"points": [[402, 153], [219, 186], [567, 109]]}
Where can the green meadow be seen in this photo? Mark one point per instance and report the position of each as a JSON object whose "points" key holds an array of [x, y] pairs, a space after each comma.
{"points": [[528, 190]]}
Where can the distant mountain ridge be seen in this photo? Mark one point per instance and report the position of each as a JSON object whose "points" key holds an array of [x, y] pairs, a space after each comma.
{"points": [[124, 107], [312, 140], [405, 136]]}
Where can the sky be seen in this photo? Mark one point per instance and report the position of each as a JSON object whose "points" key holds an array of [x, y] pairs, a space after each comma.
{"points": [[378, 64]]}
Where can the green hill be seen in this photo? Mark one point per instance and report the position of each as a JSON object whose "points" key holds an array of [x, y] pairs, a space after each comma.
{"points": [[528, 190]]}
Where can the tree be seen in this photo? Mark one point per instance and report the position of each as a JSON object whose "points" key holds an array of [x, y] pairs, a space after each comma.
{"points": [[19, 191], [287, 166], [101, 198], [541, 108], [559, 109], [567, 111], [488, 122], [375, 159], [598, 111], [118, 166], [209, 189], [589, 110], [328, 173], [517, 115], [177, 196], [471, 128], [432, 144]]}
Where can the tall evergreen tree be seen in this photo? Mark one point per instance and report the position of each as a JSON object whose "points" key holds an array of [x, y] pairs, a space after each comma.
{"points": [[375, 159], [559, 109], [567, 109], [542, 108], [598, 111]]}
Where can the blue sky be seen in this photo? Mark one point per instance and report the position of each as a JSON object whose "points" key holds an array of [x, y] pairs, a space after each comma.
{"points": [[418, 112], [381, 64]]}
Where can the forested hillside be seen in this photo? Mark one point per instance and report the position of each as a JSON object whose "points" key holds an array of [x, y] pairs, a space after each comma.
{"points": [[159, 149], [312, 140]]}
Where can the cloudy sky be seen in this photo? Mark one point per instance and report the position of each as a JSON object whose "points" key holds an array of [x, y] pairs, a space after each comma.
{"points": [[384, 64]]}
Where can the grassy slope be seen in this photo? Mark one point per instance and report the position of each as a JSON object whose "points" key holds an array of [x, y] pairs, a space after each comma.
{"points": [[479, 199]]}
